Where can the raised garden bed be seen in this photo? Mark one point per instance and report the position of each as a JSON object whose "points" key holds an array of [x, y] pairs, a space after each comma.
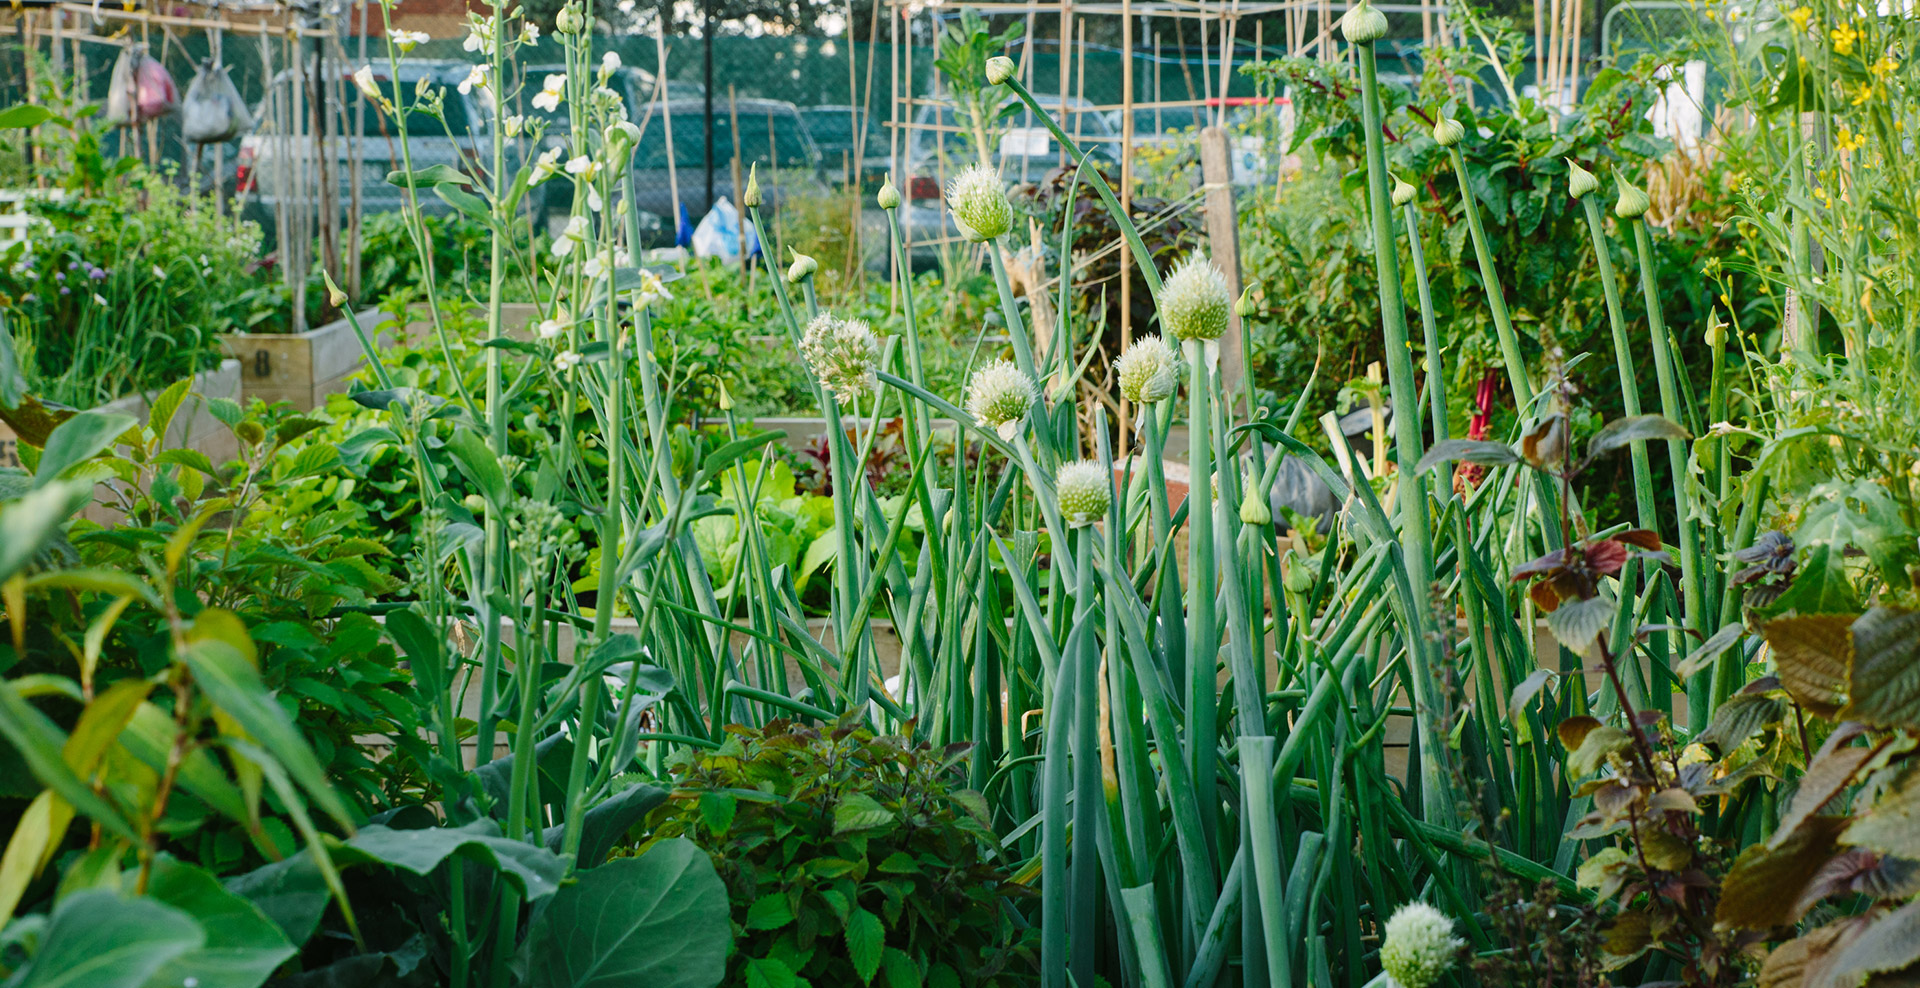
{"points": [[193, 426]]}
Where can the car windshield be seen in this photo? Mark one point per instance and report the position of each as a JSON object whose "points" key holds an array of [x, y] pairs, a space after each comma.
{"points": [[766, 137], [374, 123]]}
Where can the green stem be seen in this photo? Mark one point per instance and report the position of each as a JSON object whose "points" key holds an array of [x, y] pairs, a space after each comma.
{"points": [[1496, 296]]}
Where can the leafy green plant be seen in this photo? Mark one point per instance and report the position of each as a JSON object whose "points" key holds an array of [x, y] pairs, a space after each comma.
{"points": [[849, 856]]}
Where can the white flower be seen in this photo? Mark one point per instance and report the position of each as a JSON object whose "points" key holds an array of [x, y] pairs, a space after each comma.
{"points": [[551, 92], [979, 204], [609, 63], [476, 76], [576, 232], [1085, 491], [652, 290], [1149, 370], [601, 263], [998, 396], [529, 33], [565, 360], [1194, 302], [363, 80], [515, 125], [479, 35], [547, 165], [406, 41], [98, 299], [552, 328], [1419, 946], [626, 6], [843, 354], [158, 273], [582, 167]]}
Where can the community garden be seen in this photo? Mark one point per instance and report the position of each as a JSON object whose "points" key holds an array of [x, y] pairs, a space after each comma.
{"points": [[1483, 550]]}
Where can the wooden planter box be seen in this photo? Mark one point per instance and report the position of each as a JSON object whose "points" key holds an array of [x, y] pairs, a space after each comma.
{"points": [[302, 369], [193, 426]]}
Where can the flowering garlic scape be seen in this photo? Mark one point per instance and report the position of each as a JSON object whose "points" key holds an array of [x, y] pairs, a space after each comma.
{"points": [[1149, 370], [1085, 492], [843, 354], [1194, 301], [889, 196], [802, 267], [1447, 132], [1580, 181], [1419, 945], [1000, 68], [998, 396], [1363, 24], [1403, 193], [979, 204]]}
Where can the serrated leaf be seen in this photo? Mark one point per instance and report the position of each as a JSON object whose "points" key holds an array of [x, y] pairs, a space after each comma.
{"points": [[1710, 650], [1578, 623], [769, 972], [1828, 774], [716, 811], [857, 812], [1892, 825], [900, 969], [898, 863], [166, 404], [866, 940], [1890, 943], [1739, 718], [1883, 680], [770, 912], [1762, 887], [1813, 654], [1594, 748]]}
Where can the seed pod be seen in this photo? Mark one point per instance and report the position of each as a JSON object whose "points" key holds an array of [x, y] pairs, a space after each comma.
{"points": [[1362, 24], [888, 197], [1085, 492], [1194, 303], [1579, 180], [999, 69], [1447, 132]]}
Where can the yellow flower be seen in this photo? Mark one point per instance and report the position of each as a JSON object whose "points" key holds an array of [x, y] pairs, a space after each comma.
{"points": [[1885, 66], [1800, 16], [1843, 38], [1865, 93], [1821, 194], [1847, 140]]}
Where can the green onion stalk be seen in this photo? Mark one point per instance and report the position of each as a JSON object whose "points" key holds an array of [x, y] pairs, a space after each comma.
{"points": [[1362, 26], [1448, 133], [1631, 208]]}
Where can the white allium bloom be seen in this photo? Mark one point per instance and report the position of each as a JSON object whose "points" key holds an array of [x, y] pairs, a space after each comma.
{"points": [[1419, 946], [363, 80], [979, 204], [1149, 370], [406, 41], [577, 232], [476, 76], [552, 89], [1194, 301], [1085, 491], [547, 165], [843, 354], [565, 360], [998, 396]]}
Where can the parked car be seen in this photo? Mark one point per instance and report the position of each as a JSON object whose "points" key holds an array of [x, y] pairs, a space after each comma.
{"points": [[462, 141], [635, 86], [833, 130], [1261, 128], [772, 136], [1025, 151]]}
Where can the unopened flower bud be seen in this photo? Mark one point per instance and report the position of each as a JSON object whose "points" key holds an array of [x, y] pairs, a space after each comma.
{"points": [[1632, 203], [888, 197], [999, 395], [1254, 509], [1716, 331], [1362, 24], [1085, 492], [751, 198], [1149, 370], [1402, 192], [1244, 306], [1194, 303], [569, 20], [1579, 180], [1447, 132], [999, 69], [979, 204], [1296, 573], [802, 267], [1419, 945]]}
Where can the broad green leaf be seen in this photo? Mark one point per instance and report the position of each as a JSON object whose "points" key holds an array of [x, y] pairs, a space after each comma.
{"points": [[30, 523], [100, 939], [859, 811], [291, 892], [1822, 585], [1812, 655], [536, 871], [77, 440], [658, 920], [26, 115], [770, 912], [1742, 716], [481, 467], [166, 405], [1710, 650], [243, 946], [866, 940], [1577, 623], [607, 821], [231, 682], [1883, 681], [769, 972], [430, 175], [40, 744], [900, 969], [27, 848]]}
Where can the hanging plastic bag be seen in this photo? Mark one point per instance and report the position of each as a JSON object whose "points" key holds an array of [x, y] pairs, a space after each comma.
{"points": [[718, 234], [213, 112], [141, 89]]}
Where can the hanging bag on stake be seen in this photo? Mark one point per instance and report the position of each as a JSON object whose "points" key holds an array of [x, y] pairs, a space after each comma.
{"points": [[213, 112], [141, 89]]}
